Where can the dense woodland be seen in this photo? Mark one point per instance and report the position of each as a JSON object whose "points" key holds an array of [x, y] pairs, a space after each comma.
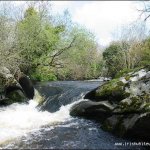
{"points": [[51, 47]]}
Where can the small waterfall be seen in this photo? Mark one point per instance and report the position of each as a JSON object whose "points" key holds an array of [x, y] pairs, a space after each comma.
{"points": [[37, 97], [17, 120]]}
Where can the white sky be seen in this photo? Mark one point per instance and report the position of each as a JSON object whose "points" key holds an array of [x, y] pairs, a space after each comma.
{"points": [[100, 17]]}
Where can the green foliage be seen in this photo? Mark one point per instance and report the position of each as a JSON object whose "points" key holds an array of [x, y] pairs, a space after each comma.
{"points": [[35, 37], [112, 56], [121, 57], [82, 61], [43, 74], [146, 53], [37, 40], [30, 12], [40, 40], [123, 72]]}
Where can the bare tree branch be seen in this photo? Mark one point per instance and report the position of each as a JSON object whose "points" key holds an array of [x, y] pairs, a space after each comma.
{"points": [[61, 51], [145, 10], [54, 62]]}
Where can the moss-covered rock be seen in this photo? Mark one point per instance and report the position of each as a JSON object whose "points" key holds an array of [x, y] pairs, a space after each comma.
{"points": [[113, 90], [12, 89], [130, 97], [13, 97], [131, 85]]}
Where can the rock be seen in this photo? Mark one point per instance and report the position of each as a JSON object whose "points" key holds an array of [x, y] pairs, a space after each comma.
{"points": [[148, 74], [92, 109], [92, 95], [27, 86], [6, 78], [141, 127], [112, 91], [14, 90], [129, 98], [132, 85], [102, 79], [13, 97], [133, 125]]}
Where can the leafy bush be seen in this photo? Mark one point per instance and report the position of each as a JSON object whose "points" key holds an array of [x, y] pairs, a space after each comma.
{"points": [[43, 74]]}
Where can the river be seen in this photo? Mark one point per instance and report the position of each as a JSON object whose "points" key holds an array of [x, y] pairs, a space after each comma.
{"points": [[49, 126]]}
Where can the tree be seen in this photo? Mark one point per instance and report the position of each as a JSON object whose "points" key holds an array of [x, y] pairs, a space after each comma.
{"points": [[82, 60], [145, 55], [145, 10], [37, 39], [131, 39], [46, 48], [9, 55], [114, 58]]}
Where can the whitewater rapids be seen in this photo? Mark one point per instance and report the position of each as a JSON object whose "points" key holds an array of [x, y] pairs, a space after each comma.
{"points": [[18, 120]]}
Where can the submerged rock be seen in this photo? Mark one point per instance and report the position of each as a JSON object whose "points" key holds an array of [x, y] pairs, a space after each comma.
{"points": [[129, 98]]}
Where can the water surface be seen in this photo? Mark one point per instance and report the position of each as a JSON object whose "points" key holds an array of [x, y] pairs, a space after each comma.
{"points": [[50, 125]]}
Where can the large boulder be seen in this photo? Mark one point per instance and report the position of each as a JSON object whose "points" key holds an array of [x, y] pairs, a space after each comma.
{"points": [[141, 126], [6, 78], [27, 86], [91, 109], [14, 89], [131, 85], [131, 125], [129, 98]]}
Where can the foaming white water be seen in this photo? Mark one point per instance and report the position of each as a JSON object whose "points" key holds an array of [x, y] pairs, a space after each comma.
{"points": [[19, 119]]}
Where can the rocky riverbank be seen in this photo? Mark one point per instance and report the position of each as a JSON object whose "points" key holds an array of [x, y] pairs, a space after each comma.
{"points": [[14, 88], [122, 105]]}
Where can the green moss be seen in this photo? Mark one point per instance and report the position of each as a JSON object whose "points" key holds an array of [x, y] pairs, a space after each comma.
{"points": [[124, 105], [127, 78], [112, 90], [147, 107], [145, 97], [134, 105], [125, 71], [120, 83], [122, 72]]}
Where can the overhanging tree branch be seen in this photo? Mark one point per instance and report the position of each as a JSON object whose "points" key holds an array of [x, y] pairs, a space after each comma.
{"points": [[61, 51], [53, 62]]}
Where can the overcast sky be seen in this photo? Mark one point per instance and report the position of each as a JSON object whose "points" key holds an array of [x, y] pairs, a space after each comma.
{"points": [[100, 17]]}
